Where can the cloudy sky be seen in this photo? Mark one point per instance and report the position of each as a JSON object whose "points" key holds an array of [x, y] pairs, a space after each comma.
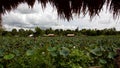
{"points": [[25, 17]]}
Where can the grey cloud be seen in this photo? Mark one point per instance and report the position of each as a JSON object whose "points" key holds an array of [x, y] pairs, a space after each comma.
{"points": [[12, 19]]}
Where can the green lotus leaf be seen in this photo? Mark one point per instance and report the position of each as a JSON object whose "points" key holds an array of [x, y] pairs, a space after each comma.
{"points": [[1, 52], [1, 66], [111, 55], [9, 56], [64, 51], [51, 48], [102, 61], [29, 52], [53, 54], [96, 52]]}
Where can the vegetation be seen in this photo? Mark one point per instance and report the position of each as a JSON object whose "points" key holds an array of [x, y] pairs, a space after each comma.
{"points": [[87, 48], [58, 32], [58, 52]]}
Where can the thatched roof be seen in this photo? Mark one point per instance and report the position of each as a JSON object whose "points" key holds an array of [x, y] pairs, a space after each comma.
{"points": [[70, 35], [66, 8]]}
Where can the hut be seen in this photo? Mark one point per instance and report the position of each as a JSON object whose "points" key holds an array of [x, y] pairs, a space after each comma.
{"points": [[70, 35], [31, 35], [51, 35]]}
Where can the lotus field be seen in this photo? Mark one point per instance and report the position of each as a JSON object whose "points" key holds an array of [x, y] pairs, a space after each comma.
{"points": [[58, 52]]}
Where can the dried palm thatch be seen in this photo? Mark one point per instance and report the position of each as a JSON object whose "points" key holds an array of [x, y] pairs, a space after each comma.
{"points": [[66, 8]]}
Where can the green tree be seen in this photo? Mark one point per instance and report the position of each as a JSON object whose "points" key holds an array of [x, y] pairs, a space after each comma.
{"points": [[49, 31], [1, 31], [57, 32], [28, 32], [14, 32], [38, 31], [83, 31], [21, 32], [4, 33]]}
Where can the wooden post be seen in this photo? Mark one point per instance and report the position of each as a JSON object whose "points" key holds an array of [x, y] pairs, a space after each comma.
{"points": [[0, 21], [35, 37], [117, 59]]}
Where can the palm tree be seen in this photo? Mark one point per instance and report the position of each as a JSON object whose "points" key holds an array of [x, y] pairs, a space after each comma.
{"points": [[66, 8]]}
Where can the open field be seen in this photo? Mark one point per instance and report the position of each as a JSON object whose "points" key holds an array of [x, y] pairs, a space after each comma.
{"points": [[58, 52]]}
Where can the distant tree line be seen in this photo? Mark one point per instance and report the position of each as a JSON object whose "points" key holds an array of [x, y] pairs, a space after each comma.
{"points": [[58, 32]]}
